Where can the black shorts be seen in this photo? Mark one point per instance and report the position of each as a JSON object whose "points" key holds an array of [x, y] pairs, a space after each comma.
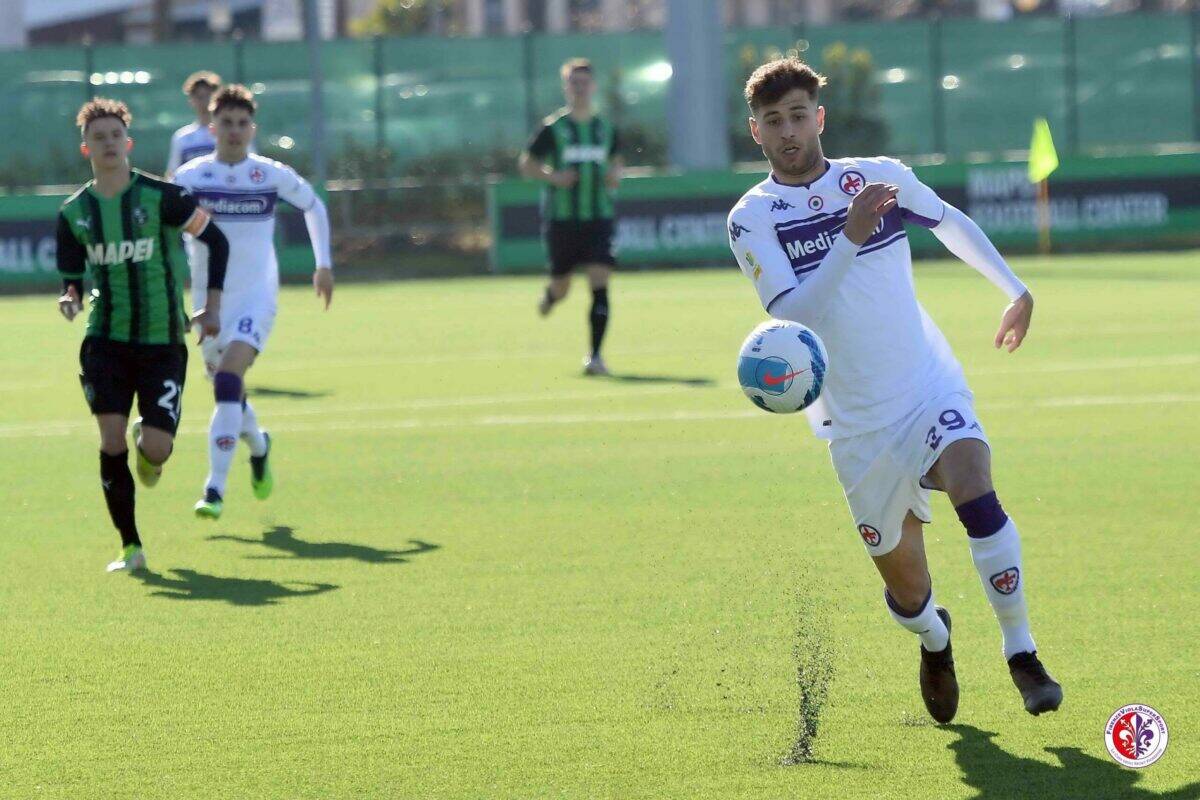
{"points": [[573, 243], [113, 372]]}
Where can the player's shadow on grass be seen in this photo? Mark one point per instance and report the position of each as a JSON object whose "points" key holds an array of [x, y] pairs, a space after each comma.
{"points": [[628, 378], [187, 584], [287, 394], [999, 775], [283, 539]]}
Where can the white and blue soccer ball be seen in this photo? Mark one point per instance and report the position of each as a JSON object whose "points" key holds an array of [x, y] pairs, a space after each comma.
{"points": [[782, 366]]}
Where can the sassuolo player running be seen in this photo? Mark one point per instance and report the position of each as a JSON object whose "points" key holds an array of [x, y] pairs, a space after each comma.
{"points": [[577, 154], [121, 232], [824, 243], [241, 191]]}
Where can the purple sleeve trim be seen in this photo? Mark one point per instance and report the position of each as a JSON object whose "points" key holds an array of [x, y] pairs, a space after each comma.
{"points": [[908, 215], [776, 298]]}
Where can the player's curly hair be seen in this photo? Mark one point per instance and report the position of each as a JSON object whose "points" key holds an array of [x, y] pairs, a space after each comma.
{"points": [[235, 95], [773, 80], [202, 78], [99, 108]]}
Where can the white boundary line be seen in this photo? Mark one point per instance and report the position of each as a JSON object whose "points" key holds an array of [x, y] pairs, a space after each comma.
{"points": [[1083, 401]]}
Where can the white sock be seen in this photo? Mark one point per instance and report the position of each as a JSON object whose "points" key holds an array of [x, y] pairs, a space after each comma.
{"points": [[222, 441], [998, 562], [925, 623], [251, 432]]}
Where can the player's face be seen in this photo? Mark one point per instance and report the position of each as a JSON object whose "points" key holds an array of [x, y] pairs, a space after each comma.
{"points": [[199, 99], [790, 132], [106, 141], [579, 87], [234, 129]]}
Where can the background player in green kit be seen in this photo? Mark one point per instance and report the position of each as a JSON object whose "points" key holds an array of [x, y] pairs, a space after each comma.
{"points": [[122, 230], [577, 154]]}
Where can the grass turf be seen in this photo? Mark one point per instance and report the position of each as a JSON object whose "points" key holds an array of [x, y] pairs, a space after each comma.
{"points": [[482, 575]]}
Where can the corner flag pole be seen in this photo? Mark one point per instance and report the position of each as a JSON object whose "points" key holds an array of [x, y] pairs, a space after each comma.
{"points": [[1043, 160]]}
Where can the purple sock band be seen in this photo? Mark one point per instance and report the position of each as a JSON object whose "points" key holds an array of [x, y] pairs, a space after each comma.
{"points": [[982, 516], [227, 387], [895, 607]]}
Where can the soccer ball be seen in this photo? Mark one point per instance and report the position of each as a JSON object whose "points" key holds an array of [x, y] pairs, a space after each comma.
{"points": [[782, 366]]}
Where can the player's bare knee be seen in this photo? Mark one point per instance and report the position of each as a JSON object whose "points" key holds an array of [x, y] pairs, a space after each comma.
{"points": [[156, 444], [967, 485], [964, 471]]}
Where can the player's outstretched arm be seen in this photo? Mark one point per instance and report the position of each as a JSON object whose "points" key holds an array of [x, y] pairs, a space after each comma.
{"points": [[965, 239], [316, 219], [806, 303], [208, 319]]}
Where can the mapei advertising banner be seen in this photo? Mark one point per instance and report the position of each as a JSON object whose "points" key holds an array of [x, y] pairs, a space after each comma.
{"points": [[1121, 203]]}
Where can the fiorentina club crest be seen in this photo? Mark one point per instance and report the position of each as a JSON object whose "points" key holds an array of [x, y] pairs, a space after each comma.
{"points": [[1006, 581], [869, 535], [852, 182], [1136, 736], [257, 175]]}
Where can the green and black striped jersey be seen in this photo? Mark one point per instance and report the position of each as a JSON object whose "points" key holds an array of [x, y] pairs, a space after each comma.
{"points": [[586, 147], [129, 247]]}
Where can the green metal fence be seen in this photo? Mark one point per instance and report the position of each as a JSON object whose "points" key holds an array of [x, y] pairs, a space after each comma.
{"points": [[955, 87]]}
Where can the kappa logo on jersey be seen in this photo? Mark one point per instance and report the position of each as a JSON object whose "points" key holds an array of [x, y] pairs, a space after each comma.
{"points": [[736, 230], [208, 173], [781, 205], [852, 182], [816, 203], [140, 215], [1006, 581], [870, 535], [118, 252], [257, 175]]}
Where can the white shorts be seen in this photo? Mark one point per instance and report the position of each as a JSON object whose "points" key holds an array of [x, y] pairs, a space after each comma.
{"points": [[883, 472], [248, 321]]}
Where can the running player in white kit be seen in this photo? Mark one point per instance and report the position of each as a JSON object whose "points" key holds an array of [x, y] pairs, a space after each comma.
{"points": [[194, 139], [824, 243], [240, 191]]}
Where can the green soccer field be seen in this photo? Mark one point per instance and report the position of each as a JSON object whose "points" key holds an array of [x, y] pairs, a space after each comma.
{"points": [[485, 576]]}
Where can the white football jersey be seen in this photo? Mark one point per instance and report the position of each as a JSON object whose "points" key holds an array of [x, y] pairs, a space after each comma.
{"points": [[190, 141], [241, 198], [886, 356]]}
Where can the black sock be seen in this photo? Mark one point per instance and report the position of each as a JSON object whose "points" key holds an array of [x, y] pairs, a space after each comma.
{"points": [[550, 298], [598, 318], [117, 481]]}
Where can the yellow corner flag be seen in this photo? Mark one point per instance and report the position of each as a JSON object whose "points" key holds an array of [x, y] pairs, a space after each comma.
{"points": [[1043, 159]]}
